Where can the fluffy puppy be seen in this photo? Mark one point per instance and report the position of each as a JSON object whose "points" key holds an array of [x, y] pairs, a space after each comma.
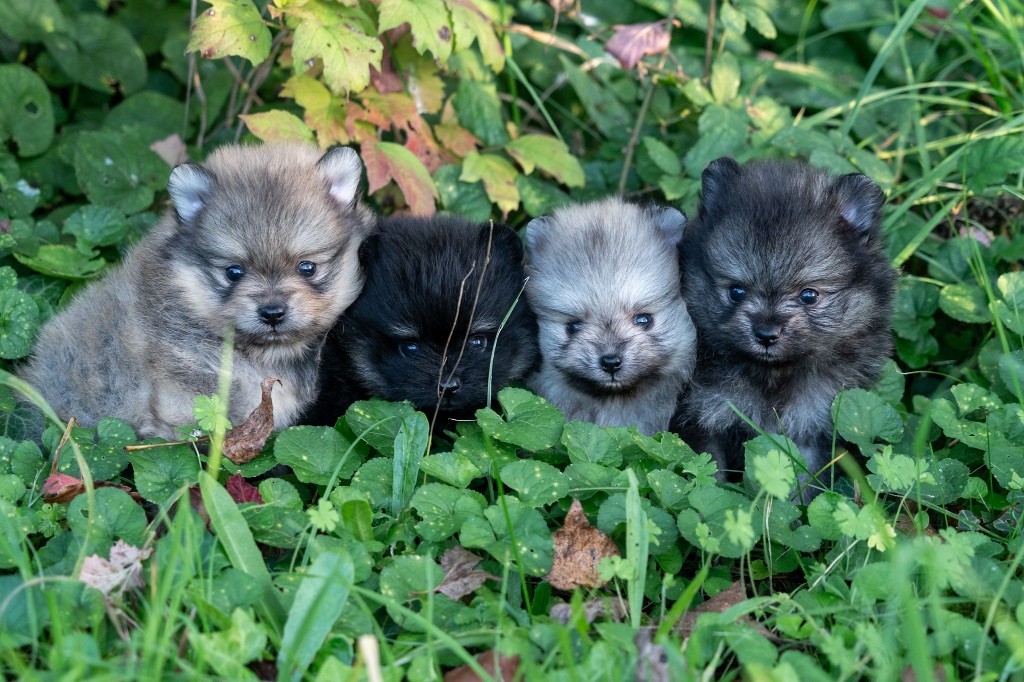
{"points": [[263, 239], [427, 327], [615, 335], [791, 293]]}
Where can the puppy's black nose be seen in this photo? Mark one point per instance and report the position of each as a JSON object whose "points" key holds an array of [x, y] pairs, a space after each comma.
{"points": [[450, 387], [273, 313], [767, 335], [610, 363]]}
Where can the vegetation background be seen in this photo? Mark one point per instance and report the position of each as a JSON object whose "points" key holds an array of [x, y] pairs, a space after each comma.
{"points": [[350, 567]]}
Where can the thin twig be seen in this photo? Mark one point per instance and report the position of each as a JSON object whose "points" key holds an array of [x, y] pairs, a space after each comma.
{"points": [[150, 446], [709, 39], [258, 77]]}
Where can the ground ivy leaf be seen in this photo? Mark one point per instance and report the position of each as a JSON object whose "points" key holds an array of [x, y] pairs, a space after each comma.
{"points": [[99, 53], [94, 225], [374, 479], [24, 460], [493, 533], [530, 422], [703, 526], [26, 111], [19, 322], [671, 488], [550, 155], [102, 449], [277, 126], [587, 442], [965, 302], [428, 22], [862, 417], [1011, 308], [29, 21], [444, 509], [489, 455], [784, 527], [118, 169], [821, 515], [230, 27], [407, 581], [378, 422], [62, 261], [770, 466], [338, 36], [159, 473], [118, 517], [454, 469], [538, 484], [315, 452], [387, 161], [587, 479], [612, 514], [498, 176]]}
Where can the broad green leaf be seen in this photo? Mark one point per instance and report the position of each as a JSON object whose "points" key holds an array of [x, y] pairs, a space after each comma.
{"points": [[613, 515], [160, 473], [26, 111], [725, 78], [989, 161], [119, 170], [94, 226], [428, 23], [444, 509], [99, 53], [387, 161], [410, 446], [965, 302], [465, 198], [704, 526], [1011, 308], [471, 23], [337, 35], [863, 418], [770, 466], [721, 132], [891, 384], [530, 422], [821, 515], [118, 517], [602, 106], [19, 322], [315, 453], [498, 176], [411, 581], [538, 196], [29, 21], [452, 468], [156, 115], [322, 110], [102, 449], [62, 261], [479, 111], [899, 473], [378, 422], [784, 527], [587, 442], [227, 652], [230, 28], [550, 155], [374, 479], [277, 126], [671, 488], [495, 533], [23, 459], [538, 484], [759, 20], [318, 603]]}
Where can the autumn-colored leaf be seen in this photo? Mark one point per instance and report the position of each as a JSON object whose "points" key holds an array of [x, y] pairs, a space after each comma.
{"points": [[241, 491], [550, 155], [469, 23], [277, 126], [453, 136], [428, 23], [387, 161], [385, 79], [723, 601], [633, 42], [498, 176], [323, 111], [62, 488], [339, 37], [245, 442], [579, 548], [231, 27], [506, 668], [461, 577]]}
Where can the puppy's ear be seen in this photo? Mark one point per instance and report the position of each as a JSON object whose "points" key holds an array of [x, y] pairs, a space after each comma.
{"points": [[537, 231], [860, 203], [368, 251], [189, 187], [715, 182], [342, 168], [671, 222]]}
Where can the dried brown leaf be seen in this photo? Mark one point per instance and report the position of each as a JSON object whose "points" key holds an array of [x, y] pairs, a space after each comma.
{"points": [[171, 149], [506, 669], [651, 659], [579, 548], [460, 575], [244, 442], [633, 42], [615, 608], [61, 488], [723, 601]]}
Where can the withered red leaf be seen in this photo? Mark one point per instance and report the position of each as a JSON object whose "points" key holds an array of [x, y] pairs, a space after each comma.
{"points": [[241, 491], [244, 442], [579, 548], [633, 42], [62, 488]]}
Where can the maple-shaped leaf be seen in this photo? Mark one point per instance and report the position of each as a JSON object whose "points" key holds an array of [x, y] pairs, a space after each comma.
{"points": [[277, 126], [461, 577], [245, 442], [498, 176], [470, 23], [550, 155], [322, 111], [339, 37], [428, 22], [231, 27], [633, 42], [387, 161], [579, 548], [497, 667], [453, 136], [241, 491]]}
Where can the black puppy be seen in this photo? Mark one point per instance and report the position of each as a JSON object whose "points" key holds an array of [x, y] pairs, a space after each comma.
{"points": [[426, 326]]}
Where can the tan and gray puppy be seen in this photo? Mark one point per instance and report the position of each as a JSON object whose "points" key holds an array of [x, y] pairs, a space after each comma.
{"points": [[263, 239], [615, 336]]}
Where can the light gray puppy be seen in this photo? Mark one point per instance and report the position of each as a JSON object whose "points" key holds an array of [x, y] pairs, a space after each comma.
{"points": [[616, 340], [263, 239]]}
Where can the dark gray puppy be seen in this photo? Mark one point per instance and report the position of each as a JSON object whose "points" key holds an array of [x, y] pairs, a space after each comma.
{"points": [[264, 239], [791, 293]]}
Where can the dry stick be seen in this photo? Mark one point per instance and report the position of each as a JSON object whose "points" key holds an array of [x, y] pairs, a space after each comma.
{"points": [[258, 76], [150, 446], [201, 94], [63, 440], [709, 39]]}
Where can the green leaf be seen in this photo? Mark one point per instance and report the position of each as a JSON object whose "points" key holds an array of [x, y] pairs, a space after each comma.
{"points": [[538, 196], [471, 22], [102, 449], [374, 479], [530, 422], [99, 53], [410, 579], [759, 20], [1011, 308], [277, 126], [725, 78], [770, 466], [671, 488], [318, 603], [161, 473], [467, 199], [587, 442], [337, 35], [29, 21], [989, 161], [230, 27], [614, 513], [118, 517], [62, 261], [94, 226], [784, 527], [965, 302], [444, 509], [428, 23], [821, 515], [119, 170], [538, 484], [602, 106], [26, 112], [479, 111], [721, 132], [378, 422], [663, 157], [704, 526], [19, 322], [23, 459], [211, 413], [315, 453], [498, 176], [550, 155], [495, 533], [862, 418], [410, 446], [227, 652], [454, 469]]}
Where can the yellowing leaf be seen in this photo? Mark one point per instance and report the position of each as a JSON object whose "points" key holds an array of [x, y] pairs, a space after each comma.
{"points": [[387, 161], [324, 113], [274, 126], [428, 23], [548, 154], [338, 36], [469, 23], [231, 27], [498, 176]]}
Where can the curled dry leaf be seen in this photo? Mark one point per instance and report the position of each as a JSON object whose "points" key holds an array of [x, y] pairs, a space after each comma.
{"points": [[506, 668], [615, 608], [241, 491], [633, 42], [460, 575], [122, 572], [579, 548], [244, 442], [62, 488]]}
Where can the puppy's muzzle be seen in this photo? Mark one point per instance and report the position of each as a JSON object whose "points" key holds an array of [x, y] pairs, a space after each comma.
{"points": [[767, 334], [611, 363], [272, 313]]}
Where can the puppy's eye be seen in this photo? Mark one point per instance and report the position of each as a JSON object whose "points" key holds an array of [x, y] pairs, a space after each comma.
{"points": [[234, 272], [306, 268], [643, 320], [408, 349], [809, 296], [479, 342], [573, 327], [737, 294]]}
